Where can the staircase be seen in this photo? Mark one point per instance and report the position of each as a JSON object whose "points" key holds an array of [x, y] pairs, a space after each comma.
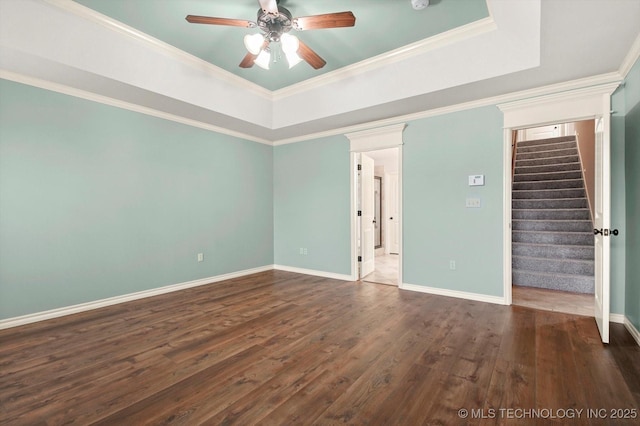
{"points": [[552, 232]]}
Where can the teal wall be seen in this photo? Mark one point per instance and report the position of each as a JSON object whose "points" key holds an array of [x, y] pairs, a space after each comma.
{"points": [[632, 160], [97, 201], [311, 192], [439, 154]]}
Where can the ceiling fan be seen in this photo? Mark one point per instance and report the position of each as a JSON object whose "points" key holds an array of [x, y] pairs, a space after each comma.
{"points": [[275, 22]]}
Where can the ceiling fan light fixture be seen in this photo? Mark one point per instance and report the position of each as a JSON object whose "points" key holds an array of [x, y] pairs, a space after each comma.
{"points": [[263, 59], [253, 43], [290, 43], [293, 59]]}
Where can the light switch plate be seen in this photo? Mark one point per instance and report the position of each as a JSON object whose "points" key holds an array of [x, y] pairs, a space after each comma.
{"points": [[473, 203], [476, 180]]}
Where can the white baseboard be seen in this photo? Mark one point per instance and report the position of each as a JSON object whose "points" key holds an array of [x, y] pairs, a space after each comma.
{"points": [[82, 307], [632, 330], [454, 293], [617, 318], [323, 274]]}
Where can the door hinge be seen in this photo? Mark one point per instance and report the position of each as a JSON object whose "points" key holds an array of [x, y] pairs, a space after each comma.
{"points": [[359, 212], [359, 258], [359, 166]]}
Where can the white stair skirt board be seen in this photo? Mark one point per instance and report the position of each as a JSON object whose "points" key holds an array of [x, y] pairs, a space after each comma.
{"points": [[454, 293], [82, 307], [324, 274]]}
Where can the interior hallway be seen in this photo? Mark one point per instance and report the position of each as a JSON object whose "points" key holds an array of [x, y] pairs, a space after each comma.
{"points": [[386, 271]]}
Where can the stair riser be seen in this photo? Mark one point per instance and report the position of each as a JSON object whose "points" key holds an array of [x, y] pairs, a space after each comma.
{"points": [[548, 194], [549, 141], [546, 147], [563, 167], [582, 214], [576, 284], [548, 160], [558, 238], [552, 225], [572, 203], [549, 184], [528, 177], [553, 252], [547, 154], [572, 267]]}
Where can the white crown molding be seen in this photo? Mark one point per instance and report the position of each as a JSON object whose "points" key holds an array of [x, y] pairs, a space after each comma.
{"points": [[158, 45], [453, 293], [470, 30], [83, 307], [66, 90], [631, 58], [378, 138], [324, 274], [567, 86]]}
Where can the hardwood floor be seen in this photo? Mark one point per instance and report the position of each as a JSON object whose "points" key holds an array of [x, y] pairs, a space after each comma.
{"points": [[282, 348], [554, 300]]}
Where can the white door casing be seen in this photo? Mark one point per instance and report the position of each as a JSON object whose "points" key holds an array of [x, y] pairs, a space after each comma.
{"points": [[372, 140], [393, 215], [570, 106], [367, 217]]}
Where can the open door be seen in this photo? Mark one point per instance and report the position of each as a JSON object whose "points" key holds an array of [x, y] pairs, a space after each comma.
{"points": [[601, 223], [367, 216]]}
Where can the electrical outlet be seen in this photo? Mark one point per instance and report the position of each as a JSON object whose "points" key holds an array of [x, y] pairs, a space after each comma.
{"points": [[200, 257], [452, 265], [301, 250], [305, 252]]}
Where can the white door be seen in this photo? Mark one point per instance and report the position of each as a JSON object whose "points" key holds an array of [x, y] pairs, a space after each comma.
{"points": [[367, 218], [601, 223], [543, 132], [393, 216]]}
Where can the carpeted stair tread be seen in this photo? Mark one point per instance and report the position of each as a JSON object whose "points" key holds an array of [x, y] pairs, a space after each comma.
{"points": [[552, 225], [548, 168], [547, 141], [529, 194], [555, 281], [527, 177], [557, 214], [549, 184], [547, 154], [548, 160], [553, 251], [549, 203], [547, 147], [553, 237], [562, 266]]}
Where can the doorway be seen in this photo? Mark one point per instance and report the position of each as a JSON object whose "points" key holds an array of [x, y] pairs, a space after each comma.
{"points": [[593, 102], [552, 217], [378, 201]]}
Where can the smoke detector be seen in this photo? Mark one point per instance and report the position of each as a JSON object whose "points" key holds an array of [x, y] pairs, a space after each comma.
{"points": [[419, 4]]}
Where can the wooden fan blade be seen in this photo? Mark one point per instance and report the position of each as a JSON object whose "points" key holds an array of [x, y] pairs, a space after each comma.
{"points": [[269, 6], [329, 20], [194, 19], [248, 60], [310, 56]]}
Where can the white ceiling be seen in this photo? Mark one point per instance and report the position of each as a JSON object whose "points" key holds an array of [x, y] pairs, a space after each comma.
{"points": [[524, 44]]}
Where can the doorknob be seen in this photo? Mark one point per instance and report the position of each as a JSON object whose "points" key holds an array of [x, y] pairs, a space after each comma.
{"points": [[391, 218], [605, 232]]}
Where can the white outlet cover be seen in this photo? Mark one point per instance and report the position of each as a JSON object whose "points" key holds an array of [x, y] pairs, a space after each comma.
{"points": [[473, 203]]}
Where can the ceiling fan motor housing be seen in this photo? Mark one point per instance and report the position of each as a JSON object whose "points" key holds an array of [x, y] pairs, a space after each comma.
{"points": [[275, 25]]}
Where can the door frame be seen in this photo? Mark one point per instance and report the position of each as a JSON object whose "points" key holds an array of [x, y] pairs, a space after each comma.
{"points": [[575, 105], [365, 141]]}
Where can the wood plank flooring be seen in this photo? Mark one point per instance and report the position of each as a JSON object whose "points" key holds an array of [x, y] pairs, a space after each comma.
{"points": [[280, 348]]}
